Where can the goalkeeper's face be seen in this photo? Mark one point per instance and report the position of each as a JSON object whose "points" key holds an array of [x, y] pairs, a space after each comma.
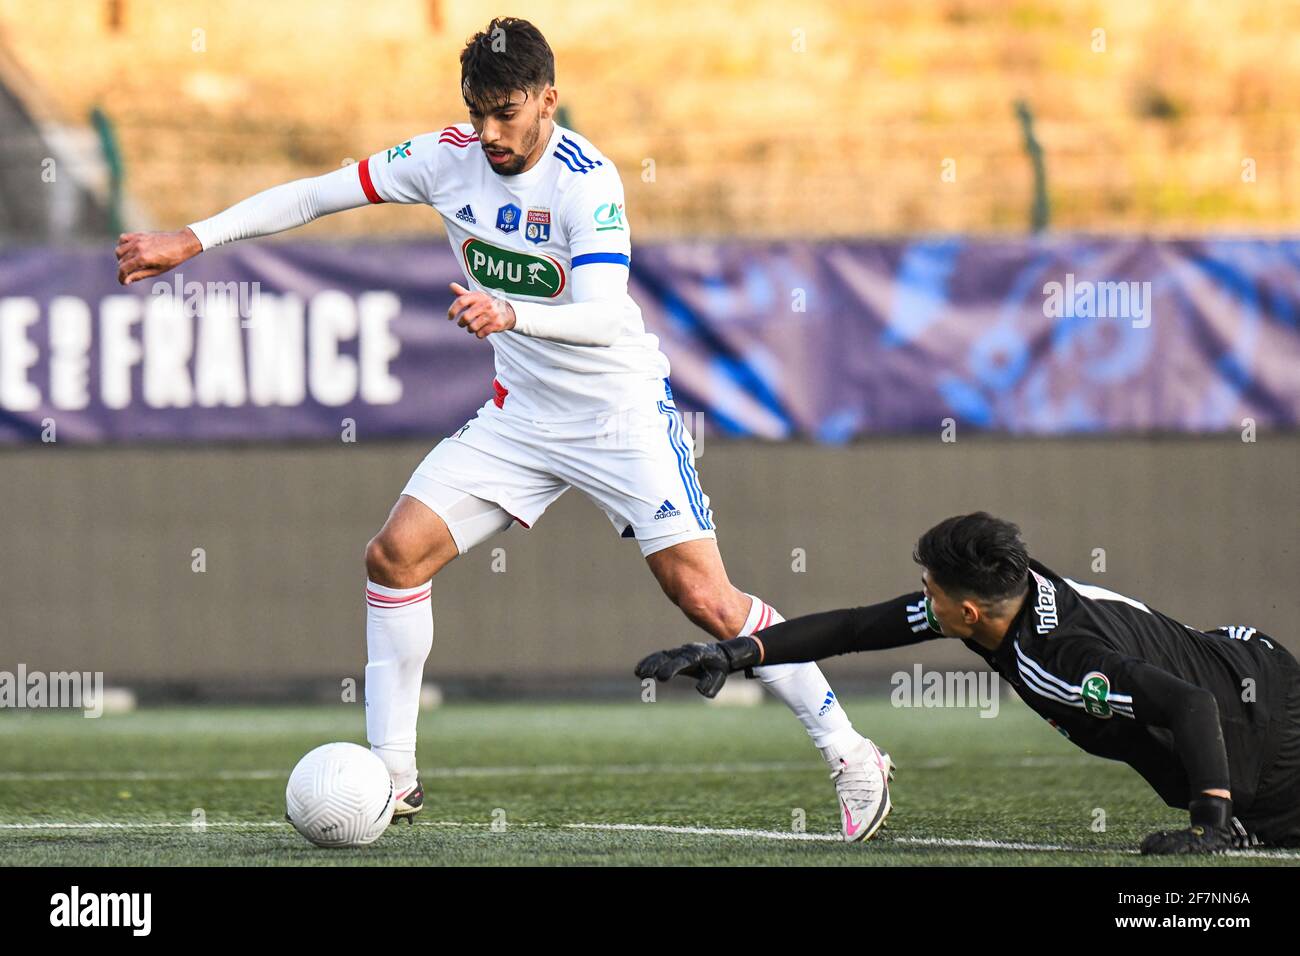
{"points": [[955, 617], [510, 127]]}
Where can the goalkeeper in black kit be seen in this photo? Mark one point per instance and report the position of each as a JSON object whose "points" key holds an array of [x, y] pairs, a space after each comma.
{"points": [[1210, 719]]}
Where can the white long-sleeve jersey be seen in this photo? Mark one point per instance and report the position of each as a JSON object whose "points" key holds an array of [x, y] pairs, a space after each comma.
{"points": [[554, 240]]}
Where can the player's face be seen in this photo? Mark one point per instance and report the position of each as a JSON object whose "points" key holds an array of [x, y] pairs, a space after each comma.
{"points": [[955, 617], [509, 129]]}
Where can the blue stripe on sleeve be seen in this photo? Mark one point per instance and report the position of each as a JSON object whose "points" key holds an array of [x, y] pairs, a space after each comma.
{"points": [[617, 258]]}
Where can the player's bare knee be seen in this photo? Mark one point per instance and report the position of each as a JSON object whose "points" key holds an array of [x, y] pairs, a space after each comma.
{"points": [[705, 606], [378, 566], [387, 565]]}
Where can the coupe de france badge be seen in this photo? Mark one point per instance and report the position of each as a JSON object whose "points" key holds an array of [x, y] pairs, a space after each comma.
{"points": [[538, 228], [508, 218]]}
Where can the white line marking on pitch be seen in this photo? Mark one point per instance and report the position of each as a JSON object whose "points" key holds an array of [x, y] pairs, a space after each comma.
{"points": [[539, 770], [1000, 845], [903, 840], [161, 825], [647, 828], [703, 831], [226, 825], [826, 837]]}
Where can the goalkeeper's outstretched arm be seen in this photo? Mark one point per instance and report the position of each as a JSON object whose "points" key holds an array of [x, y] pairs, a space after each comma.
{"points": [[874, 627], [142, 255], [812, 637]]}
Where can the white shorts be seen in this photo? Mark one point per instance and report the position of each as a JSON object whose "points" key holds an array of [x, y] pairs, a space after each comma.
{"points": [[637, 466]]}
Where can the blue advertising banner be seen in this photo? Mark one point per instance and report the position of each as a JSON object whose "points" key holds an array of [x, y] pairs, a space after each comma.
{"points": [[272, 341]]}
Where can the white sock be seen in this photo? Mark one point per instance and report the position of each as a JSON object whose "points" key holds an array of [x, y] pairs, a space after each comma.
{"points": [[803, 688], [399, 636]]}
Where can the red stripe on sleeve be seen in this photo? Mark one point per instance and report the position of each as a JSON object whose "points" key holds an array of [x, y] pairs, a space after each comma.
{"points": [[367, 186]]}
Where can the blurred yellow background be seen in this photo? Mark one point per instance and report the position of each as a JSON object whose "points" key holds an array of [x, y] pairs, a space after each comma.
{"points": [[756, 118]]}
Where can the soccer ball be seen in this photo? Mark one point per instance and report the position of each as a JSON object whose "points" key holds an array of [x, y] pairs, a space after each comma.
{"points": [[340, 795]]}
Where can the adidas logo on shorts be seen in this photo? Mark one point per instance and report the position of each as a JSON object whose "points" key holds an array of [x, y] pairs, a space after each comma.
{"points": [[666, 510]]}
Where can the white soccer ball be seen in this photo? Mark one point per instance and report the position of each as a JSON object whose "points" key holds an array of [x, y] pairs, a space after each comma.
{"points": [[340, 795]]}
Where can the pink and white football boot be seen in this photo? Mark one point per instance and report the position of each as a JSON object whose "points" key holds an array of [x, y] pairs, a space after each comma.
{"points": [[862, 783]]}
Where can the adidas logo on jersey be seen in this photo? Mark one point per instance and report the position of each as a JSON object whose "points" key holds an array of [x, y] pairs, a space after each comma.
{"points": [[571, 154], [1243, 633], [666, 510], [827, 704], [465, 214]]}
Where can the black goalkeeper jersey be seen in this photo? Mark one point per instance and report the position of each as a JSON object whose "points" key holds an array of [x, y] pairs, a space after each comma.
{"points": [[1113, 675], [1072, 654]]}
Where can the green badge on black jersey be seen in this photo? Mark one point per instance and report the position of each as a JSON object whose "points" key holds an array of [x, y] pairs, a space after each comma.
{"points": [[1096, 690]]}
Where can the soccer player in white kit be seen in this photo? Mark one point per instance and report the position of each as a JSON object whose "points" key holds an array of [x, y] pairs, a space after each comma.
{"points": [[535, 216]]}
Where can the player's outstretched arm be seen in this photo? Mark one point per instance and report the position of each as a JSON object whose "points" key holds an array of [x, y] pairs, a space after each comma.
{"points": [[812, 637], [141, 255]]}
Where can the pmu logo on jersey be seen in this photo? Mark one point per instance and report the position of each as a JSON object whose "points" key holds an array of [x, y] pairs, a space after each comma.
{"points": [[538, 228], [400, 151], [508, 218], [1095, 690], [521, 273]]}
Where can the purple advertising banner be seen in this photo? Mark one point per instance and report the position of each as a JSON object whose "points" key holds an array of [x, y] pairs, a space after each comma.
{"points": [[272, 341]]}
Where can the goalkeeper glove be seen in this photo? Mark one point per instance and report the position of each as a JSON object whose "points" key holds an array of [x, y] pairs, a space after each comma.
{"points": [[709, 663], [1210, 832]]}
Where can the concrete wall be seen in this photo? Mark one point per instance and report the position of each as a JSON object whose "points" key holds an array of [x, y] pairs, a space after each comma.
{"points": [[96, 569]]}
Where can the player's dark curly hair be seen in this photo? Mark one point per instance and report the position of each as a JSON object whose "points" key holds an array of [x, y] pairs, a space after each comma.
{"points": [[975, 556], [511, 54]]}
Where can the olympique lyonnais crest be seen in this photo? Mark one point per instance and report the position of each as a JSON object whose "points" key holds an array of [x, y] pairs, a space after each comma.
{"points": [[538, 228], [508, 218]]}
